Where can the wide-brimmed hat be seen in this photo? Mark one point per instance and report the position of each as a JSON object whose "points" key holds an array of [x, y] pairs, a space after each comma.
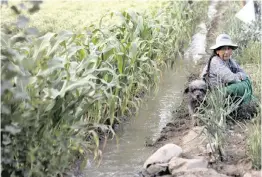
{"points": [[224, 40]]}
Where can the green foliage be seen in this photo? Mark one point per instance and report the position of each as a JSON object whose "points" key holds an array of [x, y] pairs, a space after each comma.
{"points": [[214, 116], [254, 142], [249, 42], [248, 33], [247, 37], [44, 105], [61, 92], [251, 53]]}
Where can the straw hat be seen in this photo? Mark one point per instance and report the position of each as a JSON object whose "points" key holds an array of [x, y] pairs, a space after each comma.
{"points": [[224, 40]]}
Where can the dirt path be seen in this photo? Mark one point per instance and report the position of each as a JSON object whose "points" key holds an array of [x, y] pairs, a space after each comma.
{"points": [[180, 132]]}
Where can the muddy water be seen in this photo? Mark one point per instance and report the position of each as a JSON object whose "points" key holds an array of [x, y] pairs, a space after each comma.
{"points": [[126, 158]]}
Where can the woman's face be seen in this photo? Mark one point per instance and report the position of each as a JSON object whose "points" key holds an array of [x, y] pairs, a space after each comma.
{"points": [[224, 52]]}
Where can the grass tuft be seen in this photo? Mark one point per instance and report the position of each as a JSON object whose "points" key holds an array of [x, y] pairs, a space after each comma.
{"points": [[254, 142]]}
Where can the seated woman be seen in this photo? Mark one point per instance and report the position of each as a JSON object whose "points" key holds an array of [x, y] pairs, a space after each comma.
{"points": [[222, 71]]}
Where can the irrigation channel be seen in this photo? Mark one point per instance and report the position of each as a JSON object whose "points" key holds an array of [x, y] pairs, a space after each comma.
{"points": [[126, 158]]}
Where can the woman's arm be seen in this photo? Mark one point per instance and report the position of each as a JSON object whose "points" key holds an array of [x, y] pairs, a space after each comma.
{"points": [[223, 72], [239, 70]]}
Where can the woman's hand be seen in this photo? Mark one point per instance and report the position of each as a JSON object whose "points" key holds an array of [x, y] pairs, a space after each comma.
{"points": [[241, 76]]}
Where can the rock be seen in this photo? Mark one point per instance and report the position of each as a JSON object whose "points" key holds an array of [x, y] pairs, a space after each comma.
{"points": [[178, 164], [247, 175], [159, 160], [253, 174], [195, 141], [200, 172], [256, 173], [157, 168], [144, 173]]}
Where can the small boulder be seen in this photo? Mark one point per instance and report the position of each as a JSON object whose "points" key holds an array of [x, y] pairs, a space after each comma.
{"points": [[178, 164], [194, 141], [158, 162]]}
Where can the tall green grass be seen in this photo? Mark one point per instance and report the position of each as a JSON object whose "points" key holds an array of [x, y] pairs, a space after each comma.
{"points": [[254, 142], [214, 116], [61, 92]]}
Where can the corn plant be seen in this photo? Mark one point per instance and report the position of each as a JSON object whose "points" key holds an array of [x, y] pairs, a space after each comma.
{"points": [[44, 103]]}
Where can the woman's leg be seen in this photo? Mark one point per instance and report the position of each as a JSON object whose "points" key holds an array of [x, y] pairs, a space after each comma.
{"points": [[241, 90]]}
